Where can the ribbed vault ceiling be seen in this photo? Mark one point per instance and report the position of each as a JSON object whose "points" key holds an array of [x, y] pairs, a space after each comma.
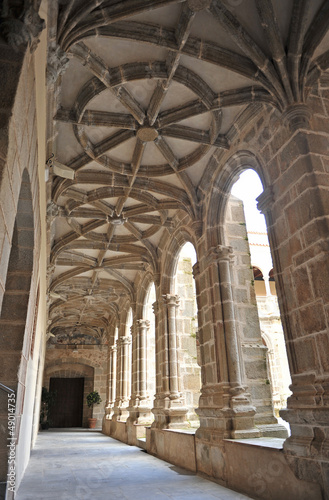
{"points": [[154, 89]]}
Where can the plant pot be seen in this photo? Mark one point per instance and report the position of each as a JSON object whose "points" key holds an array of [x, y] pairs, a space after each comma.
{"points": [[44, 425], [92, 423]]}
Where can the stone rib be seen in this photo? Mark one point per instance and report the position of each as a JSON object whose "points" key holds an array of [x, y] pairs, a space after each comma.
{"points": [[194, 135], [181, 34], [248, 45], [107, 16], [97, 118], [313, 38], [298, 26], [272, 34]]}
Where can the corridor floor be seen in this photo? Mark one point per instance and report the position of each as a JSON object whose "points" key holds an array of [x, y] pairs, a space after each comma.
{"points": [[87, 465]]}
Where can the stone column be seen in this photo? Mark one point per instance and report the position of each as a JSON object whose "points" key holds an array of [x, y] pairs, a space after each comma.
{"points": [[267, 286], [225, 254], [125, 353], [112, 368], [143, 327], [225, 406], [298, 226], [169, 410], [172, 303], [123, 371], [140, 406]]}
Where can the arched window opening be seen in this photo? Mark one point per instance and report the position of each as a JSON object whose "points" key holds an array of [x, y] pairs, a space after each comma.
{"points": [[272, 282], [150, 344], [187, 329], [253, 230], [259, 281]]}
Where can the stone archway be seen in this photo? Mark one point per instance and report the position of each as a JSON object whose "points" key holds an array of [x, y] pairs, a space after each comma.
{"points": [[74, 370]]}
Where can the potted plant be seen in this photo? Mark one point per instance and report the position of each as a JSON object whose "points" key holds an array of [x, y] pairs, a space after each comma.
{"points": [[48, 399], [93, 398]]}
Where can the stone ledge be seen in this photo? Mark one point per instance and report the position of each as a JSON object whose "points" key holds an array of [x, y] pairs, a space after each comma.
{"points": [[263, 442]]}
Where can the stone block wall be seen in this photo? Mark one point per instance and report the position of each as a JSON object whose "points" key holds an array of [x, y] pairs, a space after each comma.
{"points": [[22, 238]]}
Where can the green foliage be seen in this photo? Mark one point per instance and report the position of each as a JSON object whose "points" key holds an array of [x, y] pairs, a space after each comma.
{"points": [[48, 399], [93, 399]]}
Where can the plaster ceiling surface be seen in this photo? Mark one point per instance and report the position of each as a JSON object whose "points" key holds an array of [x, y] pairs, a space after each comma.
{"points": [[152, 91]]}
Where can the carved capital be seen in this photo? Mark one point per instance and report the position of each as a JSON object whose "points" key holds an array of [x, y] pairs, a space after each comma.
{"points": [[22, 26], [57, 64], [124, 340], [143, 323], [171, 300], [224, 253], [297, 116], [52, 210]]}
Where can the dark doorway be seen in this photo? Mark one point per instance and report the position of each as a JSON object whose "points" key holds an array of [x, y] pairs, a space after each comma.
{"points": [[67, 411]]}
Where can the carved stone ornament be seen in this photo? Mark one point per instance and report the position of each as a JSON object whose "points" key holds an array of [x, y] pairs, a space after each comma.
{"points": [[57, 64], [22, 29], [52, 210]]}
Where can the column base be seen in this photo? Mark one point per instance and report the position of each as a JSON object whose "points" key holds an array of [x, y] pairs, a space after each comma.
{"points": [[307, 449], [169, 418], [120, 414], [109, 411], [140, 415], [227, 411]]}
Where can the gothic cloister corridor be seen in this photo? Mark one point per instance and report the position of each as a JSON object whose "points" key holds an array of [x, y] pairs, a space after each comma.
{"points": [[77, 464], [124, 126]]}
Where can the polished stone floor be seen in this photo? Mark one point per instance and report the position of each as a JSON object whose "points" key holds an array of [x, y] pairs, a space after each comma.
{"points": [[86, 465]]}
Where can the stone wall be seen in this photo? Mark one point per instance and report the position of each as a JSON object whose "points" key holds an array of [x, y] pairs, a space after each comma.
{"points": [[89, 362], [22, 243]]}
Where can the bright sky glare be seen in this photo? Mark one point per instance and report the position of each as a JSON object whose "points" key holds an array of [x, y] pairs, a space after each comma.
{"points": [[247, 188]]}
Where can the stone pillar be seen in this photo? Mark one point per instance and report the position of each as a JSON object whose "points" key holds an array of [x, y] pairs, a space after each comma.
{"points": [[123, 379], [140, 405], [125, 354], [172, 303], [143, 327], [169, 410], [267, 286], [112, 371], [298, 226], [225, 406], [225, 254]]}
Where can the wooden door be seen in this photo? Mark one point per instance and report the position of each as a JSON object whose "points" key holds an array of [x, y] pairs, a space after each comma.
{"points": [[67, 411]]}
